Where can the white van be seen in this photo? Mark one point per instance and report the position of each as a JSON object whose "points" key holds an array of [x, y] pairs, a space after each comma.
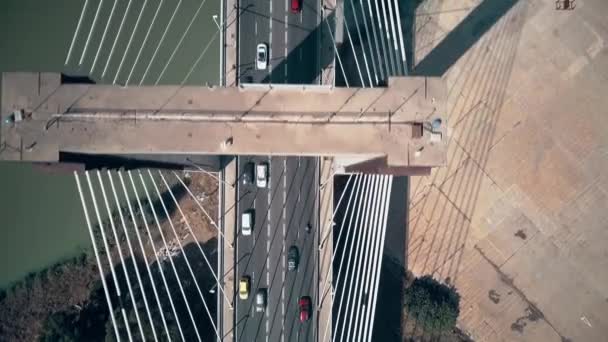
{"points": [[247, 222]]}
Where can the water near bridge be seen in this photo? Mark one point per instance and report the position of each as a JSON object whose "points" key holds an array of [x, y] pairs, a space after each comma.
{"points": [[41, 220]]}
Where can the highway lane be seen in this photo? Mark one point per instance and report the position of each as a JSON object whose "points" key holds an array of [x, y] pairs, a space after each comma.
{"points": [[282, 212], [291, 38]]}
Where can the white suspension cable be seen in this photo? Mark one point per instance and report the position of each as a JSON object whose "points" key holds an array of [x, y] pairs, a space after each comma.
{"points": [[194, 237], [376, 243], [366, 252], [99, 266], [200, 206], [198, 60], [394, 34], [160, 4], [356, 186], [181, 247], [103, 37], [380, 251], [133, 259], [354, 282], [382, 40], [336, 52], [368, 38], [141, 11], [181, 40], [403, 57], [108, 254], [369, 76], [352, 46], [158, 261], [166, 245], [122, 22], [143, 252], [373, 25], [121, 256], [329, 226], [86, 44], [356, 232], [387, 28], [84, 9], [160, 42], [369, 264], [350, 229]]}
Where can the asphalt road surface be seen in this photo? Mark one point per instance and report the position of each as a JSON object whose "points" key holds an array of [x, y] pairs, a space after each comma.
{"points": [[281, 213], [292, 40]]}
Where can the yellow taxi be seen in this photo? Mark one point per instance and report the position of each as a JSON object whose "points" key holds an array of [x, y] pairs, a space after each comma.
{"points": [[244, 285]]}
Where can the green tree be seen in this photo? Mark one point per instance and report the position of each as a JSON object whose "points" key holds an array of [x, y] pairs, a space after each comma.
{"points": [[435, 306]]}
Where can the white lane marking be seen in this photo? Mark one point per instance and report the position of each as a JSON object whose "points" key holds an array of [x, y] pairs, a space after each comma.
{"points": [[270, 46], [268, 243], [256, 28]]}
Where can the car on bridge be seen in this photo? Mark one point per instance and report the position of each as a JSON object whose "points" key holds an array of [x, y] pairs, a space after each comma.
{"points": [[260, 300], [296, 6], [244, 285], [248, 174], [305, 304], [261, 175], [247, 219], [261, 60], [293, 257]]}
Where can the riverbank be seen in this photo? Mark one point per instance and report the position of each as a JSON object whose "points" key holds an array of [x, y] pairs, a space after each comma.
{"points": [[71, 290]]}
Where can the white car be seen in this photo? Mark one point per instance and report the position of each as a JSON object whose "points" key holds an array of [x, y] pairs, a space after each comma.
{"points": [[247, 222], [261, 56], [261, 175]]}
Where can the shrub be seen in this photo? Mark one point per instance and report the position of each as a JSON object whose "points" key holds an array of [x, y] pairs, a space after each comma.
{"points": [[435, 306]]}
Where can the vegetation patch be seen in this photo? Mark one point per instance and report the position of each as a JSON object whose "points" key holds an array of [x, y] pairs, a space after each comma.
{"points": [[433, 305]]}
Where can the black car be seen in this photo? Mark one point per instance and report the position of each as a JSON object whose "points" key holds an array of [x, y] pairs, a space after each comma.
{"points": [[248, 174], [293, 258]]}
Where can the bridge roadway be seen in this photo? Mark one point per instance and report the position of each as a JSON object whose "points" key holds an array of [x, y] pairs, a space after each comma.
{"points": [[291, 38], [281, 212]]}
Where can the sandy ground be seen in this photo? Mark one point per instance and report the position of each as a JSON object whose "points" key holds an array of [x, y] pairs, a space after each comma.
{"points": [[517, 219]]}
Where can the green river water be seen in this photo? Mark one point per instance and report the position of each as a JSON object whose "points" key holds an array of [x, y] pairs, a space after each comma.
{"points": [[41, 218]]}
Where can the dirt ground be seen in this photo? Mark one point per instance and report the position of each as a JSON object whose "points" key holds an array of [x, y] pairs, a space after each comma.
{"points": [[25, 307]]}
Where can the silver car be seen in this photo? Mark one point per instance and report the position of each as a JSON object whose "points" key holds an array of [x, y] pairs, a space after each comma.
{"points": [[260, 300], [261, 58]]}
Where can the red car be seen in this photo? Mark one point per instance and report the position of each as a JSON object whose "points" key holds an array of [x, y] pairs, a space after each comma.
{"points": [[305, 305], [296, 6]]}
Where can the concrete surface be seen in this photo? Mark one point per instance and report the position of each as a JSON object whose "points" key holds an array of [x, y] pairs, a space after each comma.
{"points": [[228, 220], [319, 121], [517, 218]]}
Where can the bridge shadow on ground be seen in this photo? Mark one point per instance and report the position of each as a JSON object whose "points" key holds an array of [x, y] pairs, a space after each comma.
{"points": [[456, 43], [445, 207]]}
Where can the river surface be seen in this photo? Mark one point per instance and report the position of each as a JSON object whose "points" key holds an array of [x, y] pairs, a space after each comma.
{"points": [[41, 218]]}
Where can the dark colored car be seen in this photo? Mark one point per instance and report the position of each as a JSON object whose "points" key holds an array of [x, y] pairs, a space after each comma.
{"points": [[305, 305], [248, 175], [308, 228], [296, 6], [293, 258]]}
